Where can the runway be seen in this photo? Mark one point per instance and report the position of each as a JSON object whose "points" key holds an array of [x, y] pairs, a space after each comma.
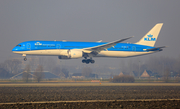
{"points": [[83, 84]]}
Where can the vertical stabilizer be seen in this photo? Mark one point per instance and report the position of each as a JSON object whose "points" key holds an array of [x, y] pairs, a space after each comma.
{"points": [[151, 37]]}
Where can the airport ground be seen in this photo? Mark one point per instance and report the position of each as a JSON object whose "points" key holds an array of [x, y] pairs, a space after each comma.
{"points": [[89, 95]]}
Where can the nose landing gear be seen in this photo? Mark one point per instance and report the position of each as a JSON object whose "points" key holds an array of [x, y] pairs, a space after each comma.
{"points": [[24, 55], [25, 59]]}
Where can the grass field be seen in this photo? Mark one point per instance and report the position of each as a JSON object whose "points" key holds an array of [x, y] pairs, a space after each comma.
{"points": [[111, 95], [69, 84]]}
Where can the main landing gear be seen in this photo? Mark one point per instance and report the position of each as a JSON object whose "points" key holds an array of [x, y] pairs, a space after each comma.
{"points": [[87, 61]]}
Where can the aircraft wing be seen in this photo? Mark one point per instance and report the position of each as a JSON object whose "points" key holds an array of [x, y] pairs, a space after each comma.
{"points": [[157, 48], [97, 49]]}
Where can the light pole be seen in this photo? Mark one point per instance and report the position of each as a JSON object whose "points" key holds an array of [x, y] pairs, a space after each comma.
{"points": [[139, 69], [171, 74]]}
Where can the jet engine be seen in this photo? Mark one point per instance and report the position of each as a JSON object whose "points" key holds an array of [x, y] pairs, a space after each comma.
{"points": [[70, 54]]}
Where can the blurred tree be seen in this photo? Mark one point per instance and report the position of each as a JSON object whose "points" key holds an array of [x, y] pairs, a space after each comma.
{"points": [[33, 62], [176, 66], [26, 73], [123, 67], [86, 71], [56, 71], [122, 79], [166, 75], [39, 73], [49, 64], [12, 66], [4, 74], [65, 72], [159, 64]]}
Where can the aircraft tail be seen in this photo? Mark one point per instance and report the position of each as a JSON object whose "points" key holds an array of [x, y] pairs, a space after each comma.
{"points": [[151, 37]]}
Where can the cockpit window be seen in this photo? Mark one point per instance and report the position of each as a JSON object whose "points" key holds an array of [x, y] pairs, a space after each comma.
{"points": [[18, 45]]}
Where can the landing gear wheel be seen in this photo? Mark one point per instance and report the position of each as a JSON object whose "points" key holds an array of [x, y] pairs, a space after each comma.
{"points": [[25, 59], [87, 61], [84, 60], [92, 61]]}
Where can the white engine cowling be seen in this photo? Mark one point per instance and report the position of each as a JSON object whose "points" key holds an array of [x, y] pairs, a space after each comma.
{"points": [[70, 54], [63, 57]]}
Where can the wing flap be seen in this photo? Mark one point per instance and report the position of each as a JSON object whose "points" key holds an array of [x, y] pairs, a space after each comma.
{"points": [[105, 46]]}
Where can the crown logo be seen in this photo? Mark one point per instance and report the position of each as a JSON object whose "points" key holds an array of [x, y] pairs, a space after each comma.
{"points": [[150, 35], [38, 43]]}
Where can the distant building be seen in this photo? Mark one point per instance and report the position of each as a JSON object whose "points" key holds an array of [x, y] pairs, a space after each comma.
{"points": [[47, 75], [77, 76], [93, 76], [121, 74], [145, 74]]}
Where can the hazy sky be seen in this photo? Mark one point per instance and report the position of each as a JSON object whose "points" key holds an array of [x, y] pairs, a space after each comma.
{"points": [[88, 20]]}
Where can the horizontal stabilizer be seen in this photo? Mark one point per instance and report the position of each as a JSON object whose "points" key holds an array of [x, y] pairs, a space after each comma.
{"points": [[155, 49]]}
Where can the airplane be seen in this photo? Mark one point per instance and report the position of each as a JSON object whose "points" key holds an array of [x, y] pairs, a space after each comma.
{"points": [[74, 50]]}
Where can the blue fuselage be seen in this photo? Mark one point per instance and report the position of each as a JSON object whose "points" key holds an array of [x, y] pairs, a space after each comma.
{"points": [[53, 45]]}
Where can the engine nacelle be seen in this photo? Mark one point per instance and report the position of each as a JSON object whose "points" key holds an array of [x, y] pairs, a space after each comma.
{"points": [[70, 54], [63, 57]]}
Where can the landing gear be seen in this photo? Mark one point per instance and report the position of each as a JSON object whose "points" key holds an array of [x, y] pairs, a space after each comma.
{"points": [[24, 55], [25, 59], [87, 61]]}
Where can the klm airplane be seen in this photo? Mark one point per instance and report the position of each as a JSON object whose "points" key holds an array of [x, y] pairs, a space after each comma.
{"points": [[88, 50]]}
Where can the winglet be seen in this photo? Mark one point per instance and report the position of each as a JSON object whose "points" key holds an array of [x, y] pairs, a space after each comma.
{"points": [[99, 41]]}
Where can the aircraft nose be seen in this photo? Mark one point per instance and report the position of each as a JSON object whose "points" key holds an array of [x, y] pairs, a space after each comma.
{"points": [[14, 49]]}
